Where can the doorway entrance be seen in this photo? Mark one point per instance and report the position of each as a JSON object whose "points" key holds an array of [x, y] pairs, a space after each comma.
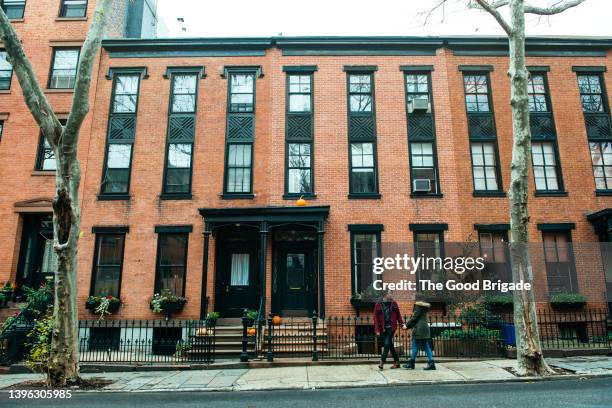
{"points": [[37, 259], [297, 281]]}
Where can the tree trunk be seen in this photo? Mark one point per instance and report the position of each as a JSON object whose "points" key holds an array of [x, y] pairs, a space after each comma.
{"points": [[63, 367], [528, 347]]}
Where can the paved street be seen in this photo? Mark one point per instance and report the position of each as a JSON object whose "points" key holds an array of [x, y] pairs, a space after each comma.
{"points": [[591, 393]]}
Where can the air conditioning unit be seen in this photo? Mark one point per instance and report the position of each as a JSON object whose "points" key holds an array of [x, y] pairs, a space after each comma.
{"points": [[421, 185], [419, 105]]}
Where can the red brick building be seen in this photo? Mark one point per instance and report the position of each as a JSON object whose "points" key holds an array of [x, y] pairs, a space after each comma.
{"points": [[196, 150]]}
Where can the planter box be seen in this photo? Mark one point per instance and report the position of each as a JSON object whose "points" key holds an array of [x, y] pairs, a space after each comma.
{"points": [[171, 307], [465, 347], [568, 306], [113, 307]]}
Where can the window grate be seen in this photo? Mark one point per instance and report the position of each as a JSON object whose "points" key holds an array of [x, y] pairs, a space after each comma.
{"points": [[182, 128], [542, 126], [122, 128], [598, 126], [299, 127], [421, 127], [361, 127], [240, 127], [481, 126]]}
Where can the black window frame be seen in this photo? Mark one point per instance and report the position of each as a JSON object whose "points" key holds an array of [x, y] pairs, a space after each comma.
{"points": [[368, 71], [64, 8], [172, 73], [101, 232], [489, 98], [600, 147], [114, 74], [484, 166], [604, 99], [1, 129], [17, 6], [293, 137], [501, 231], [164, 232], [10, 77], [52, 67], [557, 167], [560, 229], [427, 229], [231, 77], [362, 229], [43, 148], [422, 139]]}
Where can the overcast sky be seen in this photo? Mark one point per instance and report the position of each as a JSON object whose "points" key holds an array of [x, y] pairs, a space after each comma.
{"points": [[249, 18]]}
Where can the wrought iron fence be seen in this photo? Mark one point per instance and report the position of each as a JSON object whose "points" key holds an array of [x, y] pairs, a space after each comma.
{"points": [[146, 341]]}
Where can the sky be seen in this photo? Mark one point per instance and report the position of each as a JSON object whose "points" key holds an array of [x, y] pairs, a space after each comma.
{"points": [[263, 18]]}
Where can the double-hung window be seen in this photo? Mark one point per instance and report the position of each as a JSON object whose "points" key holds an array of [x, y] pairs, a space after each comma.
{"points": [[45, 157], [596, 110], [64, 68], [108, 263], [73, 8], [6, 71], [240, 134], [421, 131], [14, 9], [365, 246], [559, 260], [482, 132], [171, 262], [181, 133], [494, 250], [544, 150], [121, 134], [299, 132], [363, 177]]}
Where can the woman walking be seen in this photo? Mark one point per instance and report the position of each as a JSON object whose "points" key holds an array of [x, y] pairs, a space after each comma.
{"points": [[386, 318], [421, 335]]}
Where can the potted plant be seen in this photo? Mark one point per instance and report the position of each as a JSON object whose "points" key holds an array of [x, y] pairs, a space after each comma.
{"points": [[565, 301], [8, 289], [211, 319], [103, 305], [166, 302], [252, 316]]}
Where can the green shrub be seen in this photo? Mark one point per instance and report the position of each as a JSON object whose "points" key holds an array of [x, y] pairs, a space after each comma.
{"points": [[251, 314], [567, 298], [498, 299], [39, 344], [480, 333]]}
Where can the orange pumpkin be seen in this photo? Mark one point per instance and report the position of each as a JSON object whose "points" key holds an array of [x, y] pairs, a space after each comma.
{"points": [[301, 202], [276, 320], [251, 331]]}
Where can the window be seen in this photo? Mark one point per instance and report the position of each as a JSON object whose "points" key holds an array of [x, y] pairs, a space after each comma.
{"points": [[429, 245], [299, 168], [242, 93], [14, 9], [46, 156], [417, 87], [591, 93], [536, 89], [365, 246], [422, 164], [239, 274], [559, 259], [73, 8], [6, 71], [108, 264], [484, 167], [171, 263], [476, 93], [360, 93], [181, 134], [493, 248], [363, 174], [545, 169], [239, 168], [1, 129], [299, 140], [300, 93], [64, 68], [601, 157], [121, 134]]}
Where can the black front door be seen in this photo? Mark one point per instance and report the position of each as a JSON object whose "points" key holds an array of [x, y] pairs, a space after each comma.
{"points": [[37, 260], [297, 281], [238, 284]]}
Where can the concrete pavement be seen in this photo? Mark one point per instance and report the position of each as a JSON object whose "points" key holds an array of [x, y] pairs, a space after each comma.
{"points": [[323, 376]]}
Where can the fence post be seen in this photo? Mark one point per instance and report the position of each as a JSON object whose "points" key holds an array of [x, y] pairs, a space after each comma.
{"points": [[315, 352], [270, 353], [244, 355]]}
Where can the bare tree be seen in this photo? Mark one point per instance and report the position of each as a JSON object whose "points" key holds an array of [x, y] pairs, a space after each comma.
{"points": [[63, 366], [529, 349]]}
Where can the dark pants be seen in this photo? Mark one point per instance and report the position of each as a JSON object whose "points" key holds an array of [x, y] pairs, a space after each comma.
{"points": [[387, 338]]}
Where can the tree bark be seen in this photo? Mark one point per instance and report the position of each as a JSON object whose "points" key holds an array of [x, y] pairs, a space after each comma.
{"points": [[529, 350], [63, 364]]}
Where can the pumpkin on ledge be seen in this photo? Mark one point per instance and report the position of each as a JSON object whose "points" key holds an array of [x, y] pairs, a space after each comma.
{"points": [[276, 320]]}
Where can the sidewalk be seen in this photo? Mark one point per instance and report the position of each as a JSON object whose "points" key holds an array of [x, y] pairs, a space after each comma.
{"points": [[324, 376]]}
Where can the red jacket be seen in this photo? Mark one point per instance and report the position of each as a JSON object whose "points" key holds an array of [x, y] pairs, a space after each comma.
{"points": [[379, 317]]}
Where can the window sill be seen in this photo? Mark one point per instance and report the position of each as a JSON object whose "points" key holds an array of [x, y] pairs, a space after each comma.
{"points": [[229, 196], [183, 196], [550, 194], [364, 196], [5, 91], [71, 18], [59, 90], [426, 195], [603, 193], [115, 197], [43, 173], [309, 196], [489, 194], [16, 20]]}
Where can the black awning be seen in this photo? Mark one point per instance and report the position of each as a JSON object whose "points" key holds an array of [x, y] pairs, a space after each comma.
{"points": [[602, 222], [269, 214]]}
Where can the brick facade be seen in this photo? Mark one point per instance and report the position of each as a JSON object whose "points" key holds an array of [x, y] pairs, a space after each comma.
{"points": [[395, 209]]}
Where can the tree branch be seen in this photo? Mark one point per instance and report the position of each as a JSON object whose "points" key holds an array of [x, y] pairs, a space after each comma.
{"points": [[80, 100], [555, 9], [491, 8], [35, 98]]}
